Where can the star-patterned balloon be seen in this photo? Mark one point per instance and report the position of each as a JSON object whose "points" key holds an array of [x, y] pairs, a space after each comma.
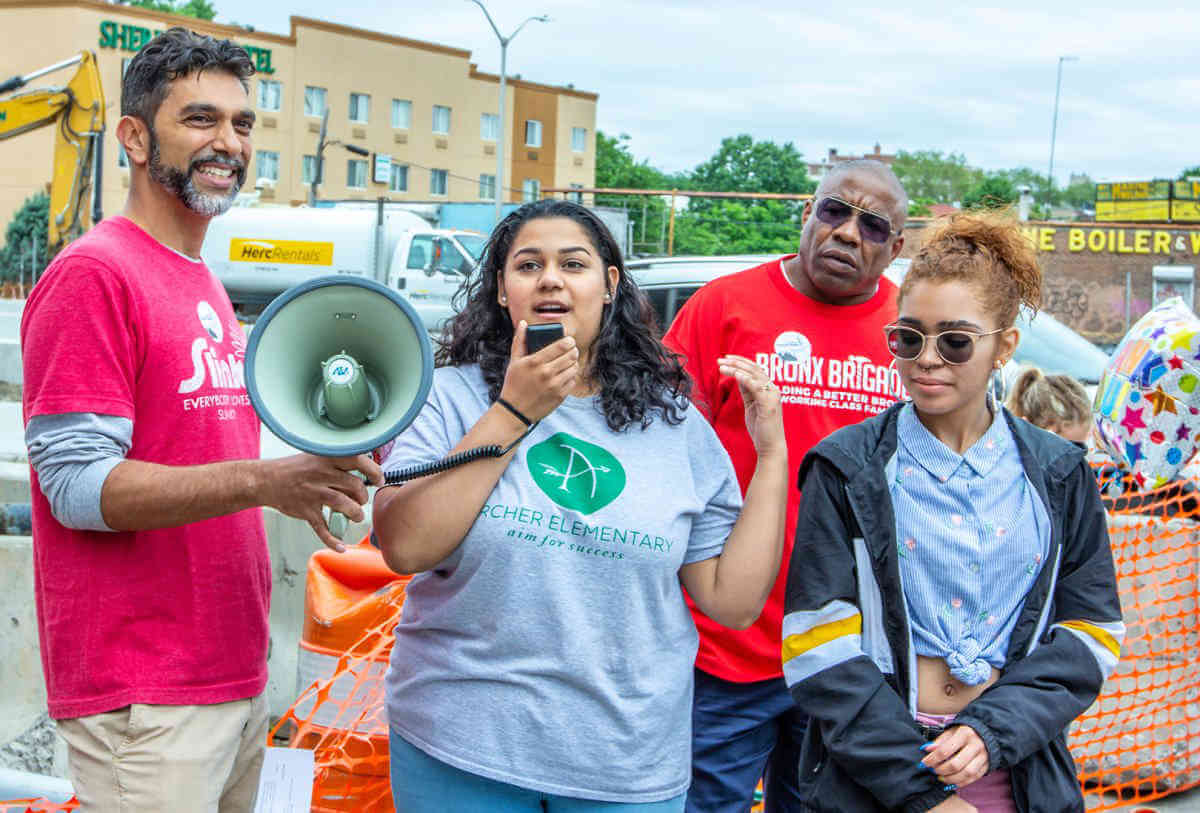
{"points": [[1147, 402]]}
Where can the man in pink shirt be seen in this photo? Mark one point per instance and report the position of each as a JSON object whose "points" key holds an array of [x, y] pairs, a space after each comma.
{"points": [[151, 571]]}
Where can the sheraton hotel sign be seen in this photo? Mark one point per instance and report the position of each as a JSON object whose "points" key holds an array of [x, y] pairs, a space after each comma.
{"points": [[126, 37]]}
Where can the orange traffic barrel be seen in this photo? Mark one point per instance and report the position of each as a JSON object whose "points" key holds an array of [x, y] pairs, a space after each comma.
{"points": [[352, 601]]}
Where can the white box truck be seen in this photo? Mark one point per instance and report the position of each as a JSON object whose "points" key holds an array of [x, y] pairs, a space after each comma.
{"points": [[259, 252]]}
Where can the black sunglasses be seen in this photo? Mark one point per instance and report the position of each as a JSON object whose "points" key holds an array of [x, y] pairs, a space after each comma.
{"points": [[953, 346], [833, 211]]}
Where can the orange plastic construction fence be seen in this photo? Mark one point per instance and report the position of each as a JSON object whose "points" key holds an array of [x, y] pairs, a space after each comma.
{"points": [[352, 603], [37, 806], [1139, 741]]}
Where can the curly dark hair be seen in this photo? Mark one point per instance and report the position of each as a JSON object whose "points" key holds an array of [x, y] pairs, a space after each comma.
{"points": [[174, 54], [636, 374]]}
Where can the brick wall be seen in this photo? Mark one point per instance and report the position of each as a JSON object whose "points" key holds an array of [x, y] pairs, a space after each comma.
{"points": [[1086, 265]]}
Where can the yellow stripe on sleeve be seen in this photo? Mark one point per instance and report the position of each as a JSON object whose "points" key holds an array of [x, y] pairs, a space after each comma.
{"points": [[800, 643], [1102, 636]]}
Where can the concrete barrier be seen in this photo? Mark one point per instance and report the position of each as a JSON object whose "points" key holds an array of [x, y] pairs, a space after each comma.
{"points": [[10, 361], [26, 740]]}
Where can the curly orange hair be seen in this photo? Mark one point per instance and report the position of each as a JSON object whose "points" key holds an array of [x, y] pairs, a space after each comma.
{"points": [[988, 251]]}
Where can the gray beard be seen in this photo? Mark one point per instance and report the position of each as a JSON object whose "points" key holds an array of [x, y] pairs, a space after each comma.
{"points": [[181, 185]]}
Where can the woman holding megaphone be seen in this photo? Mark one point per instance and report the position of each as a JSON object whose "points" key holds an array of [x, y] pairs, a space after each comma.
{"points": [[544, 658]]}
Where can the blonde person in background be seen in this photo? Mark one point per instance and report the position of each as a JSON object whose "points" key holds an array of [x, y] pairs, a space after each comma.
{"points": [[1056, 403]]}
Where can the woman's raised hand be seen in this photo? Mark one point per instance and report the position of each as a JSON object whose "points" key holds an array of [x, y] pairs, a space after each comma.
{"points": [[764, 417], [537, 383]]}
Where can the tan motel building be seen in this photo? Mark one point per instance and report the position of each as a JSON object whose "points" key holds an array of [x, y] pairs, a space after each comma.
{"points": [[424, 112]]}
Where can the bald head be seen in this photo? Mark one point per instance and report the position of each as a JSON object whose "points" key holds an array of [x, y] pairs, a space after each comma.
{"points": [[878, 169]]}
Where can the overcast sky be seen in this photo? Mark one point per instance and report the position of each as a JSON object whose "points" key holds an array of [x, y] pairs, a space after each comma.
{"points": [[677, 77]]}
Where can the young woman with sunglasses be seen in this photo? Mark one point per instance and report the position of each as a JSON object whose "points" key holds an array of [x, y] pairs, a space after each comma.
{"points": [[951, 603]]}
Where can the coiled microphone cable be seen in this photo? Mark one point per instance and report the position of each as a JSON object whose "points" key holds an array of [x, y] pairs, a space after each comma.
{"points": [[401, 476]]}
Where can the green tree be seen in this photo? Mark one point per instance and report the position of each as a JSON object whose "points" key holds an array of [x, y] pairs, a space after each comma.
{"points": [[747, 226], [200, 9], [934, 176], [994, 192], [919, 207], [1081, 194], [1037, 183], [616, 168], [709, 225], [1190, 173], [742, 164], [29, 226]]}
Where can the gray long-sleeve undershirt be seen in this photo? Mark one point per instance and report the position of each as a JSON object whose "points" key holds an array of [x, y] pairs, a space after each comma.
{"points": [[73, 453]]}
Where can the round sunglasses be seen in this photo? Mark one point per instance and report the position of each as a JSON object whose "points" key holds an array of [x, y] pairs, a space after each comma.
{"points": [[874, 227], [953, 346]]}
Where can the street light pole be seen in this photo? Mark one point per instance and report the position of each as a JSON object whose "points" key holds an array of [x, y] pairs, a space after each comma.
{"points": [[322, 143], [504, 41], [1054, 126]]}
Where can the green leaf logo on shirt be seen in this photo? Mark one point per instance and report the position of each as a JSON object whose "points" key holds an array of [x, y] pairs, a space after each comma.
{"points": [[576, 474]]}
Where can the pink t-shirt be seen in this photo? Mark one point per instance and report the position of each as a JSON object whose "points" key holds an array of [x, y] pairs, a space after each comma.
{"points": [[121, 325]]}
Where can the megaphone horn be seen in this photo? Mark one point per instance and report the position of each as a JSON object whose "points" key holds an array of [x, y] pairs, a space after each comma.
{"points": [[338, 365]]}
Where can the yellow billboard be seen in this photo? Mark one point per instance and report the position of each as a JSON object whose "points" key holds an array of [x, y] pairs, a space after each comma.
{"points": [[1148, 201], [1185, 201], [1133, 200]]}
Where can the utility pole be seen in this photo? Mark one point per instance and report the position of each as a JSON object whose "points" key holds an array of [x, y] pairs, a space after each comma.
{"points": [[504, 41], [321, 145], [1054, 127]]}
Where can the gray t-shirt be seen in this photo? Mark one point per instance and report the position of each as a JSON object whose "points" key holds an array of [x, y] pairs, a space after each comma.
{"points": [[553, 649]]}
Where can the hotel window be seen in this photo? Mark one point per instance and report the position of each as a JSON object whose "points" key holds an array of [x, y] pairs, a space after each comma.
{"points": [[441, 119], [308, 169], [487, 187], [438, 179], [531, 190], [356, 174], [399, 182], [489, 127], [577, 197], [360, 108], [314, 101], [267, 164], [533, 133], [578, 139], [269, 92], [401, 114]]}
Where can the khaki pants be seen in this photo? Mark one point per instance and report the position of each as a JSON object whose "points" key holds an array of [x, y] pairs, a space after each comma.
{"points": [[183, 759]]}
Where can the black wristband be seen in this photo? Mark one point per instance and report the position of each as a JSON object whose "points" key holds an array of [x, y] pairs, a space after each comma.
{"points": [[514, 411]]}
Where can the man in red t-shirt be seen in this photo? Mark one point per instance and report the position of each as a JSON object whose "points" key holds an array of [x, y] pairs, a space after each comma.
{"points": [[151, 571], [814, 320]]}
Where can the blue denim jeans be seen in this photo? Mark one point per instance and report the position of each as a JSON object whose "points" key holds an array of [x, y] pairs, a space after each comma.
{"points": [[742, 732], [422, 784]]}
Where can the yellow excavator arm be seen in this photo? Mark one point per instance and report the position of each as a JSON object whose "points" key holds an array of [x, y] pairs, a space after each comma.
{"points": [[77, 112]]}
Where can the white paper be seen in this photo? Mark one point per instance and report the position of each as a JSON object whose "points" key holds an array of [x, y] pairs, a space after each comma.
{"points": [[286, 783]]}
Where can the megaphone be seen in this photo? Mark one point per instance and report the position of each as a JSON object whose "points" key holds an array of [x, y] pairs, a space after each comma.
{"points": [[338, 365]]}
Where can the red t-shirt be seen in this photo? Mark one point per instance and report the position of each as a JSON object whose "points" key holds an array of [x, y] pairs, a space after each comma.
{"points": [[832, 366], [121, 325]]}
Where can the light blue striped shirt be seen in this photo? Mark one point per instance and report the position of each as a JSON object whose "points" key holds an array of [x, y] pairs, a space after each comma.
{"points": [[972, 535]]}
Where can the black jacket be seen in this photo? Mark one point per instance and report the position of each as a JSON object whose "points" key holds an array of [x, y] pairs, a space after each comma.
{"points": [[847, 647]]}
